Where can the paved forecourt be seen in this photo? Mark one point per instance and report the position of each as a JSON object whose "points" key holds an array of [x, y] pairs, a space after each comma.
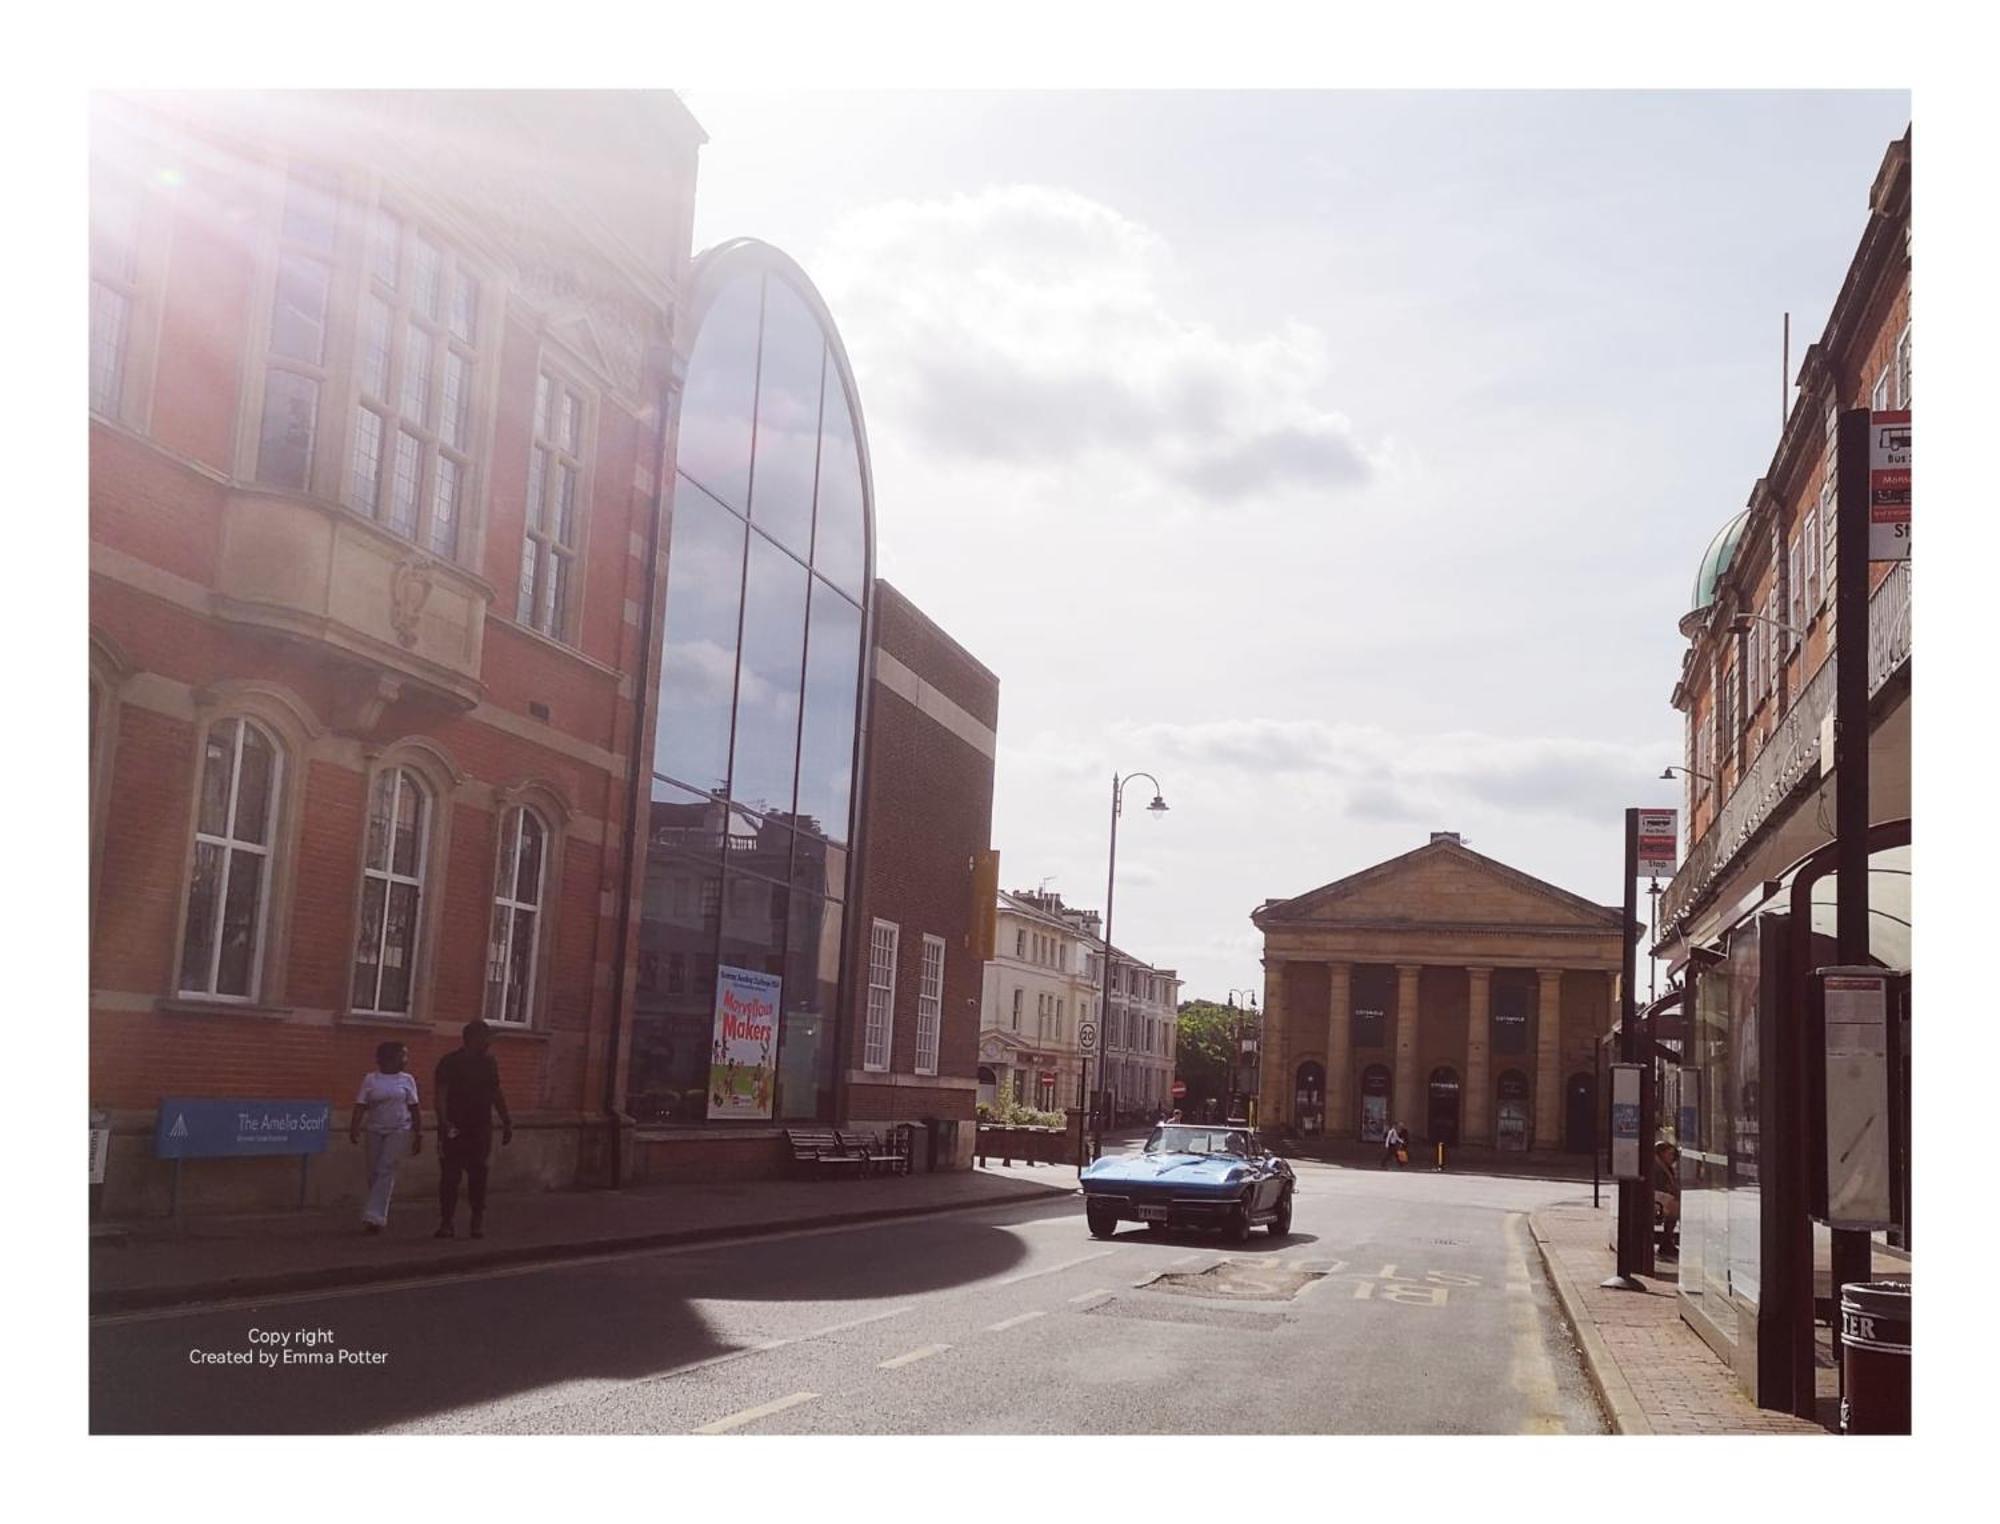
{"points": [[1403, 1302]]}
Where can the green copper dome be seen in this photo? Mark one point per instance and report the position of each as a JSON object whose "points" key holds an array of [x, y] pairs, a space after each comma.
{"points": [[1717, 558]]}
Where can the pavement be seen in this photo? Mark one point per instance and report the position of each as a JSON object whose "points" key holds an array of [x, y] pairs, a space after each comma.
{"points": [[1400, 1302], [1652, 1372], [159, 1263]]}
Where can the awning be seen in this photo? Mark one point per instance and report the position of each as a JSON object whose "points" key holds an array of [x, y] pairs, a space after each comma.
{"points": [[1888, 905]]}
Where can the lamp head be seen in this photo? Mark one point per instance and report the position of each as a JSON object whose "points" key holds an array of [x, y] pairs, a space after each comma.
{"points": [[1667, 773], [1158, 807]]}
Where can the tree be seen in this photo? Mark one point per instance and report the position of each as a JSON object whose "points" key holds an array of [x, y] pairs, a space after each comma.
{"points": [[1205, 1049]]}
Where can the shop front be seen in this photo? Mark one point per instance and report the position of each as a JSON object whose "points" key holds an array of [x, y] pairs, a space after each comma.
{"points": [[1753, 1272]]}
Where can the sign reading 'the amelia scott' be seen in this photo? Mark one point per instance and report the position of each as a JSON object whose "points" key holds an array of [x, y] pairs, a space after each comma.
{"points": [[208, 1128]]}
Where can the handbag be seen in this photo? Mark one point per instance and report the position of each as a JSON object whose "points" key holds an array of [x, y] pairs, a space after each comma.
{"points": [[1402, 1156]]}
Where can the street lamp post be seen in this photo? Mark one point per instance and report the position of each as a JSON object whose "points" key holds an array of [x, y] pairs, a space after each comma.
{"points": [[1157, 808], [1236, 1045]]}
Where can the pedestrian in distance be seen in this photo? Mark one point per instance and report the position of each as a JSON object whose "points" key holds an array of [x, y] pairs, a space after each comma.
{"points": [[1402, 1146], [386, 1106], [468, 1095]]}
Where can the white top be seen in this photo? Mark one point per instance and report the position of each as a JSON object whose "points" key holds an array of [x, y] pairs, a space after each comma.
{"points": [[388, 1098]]}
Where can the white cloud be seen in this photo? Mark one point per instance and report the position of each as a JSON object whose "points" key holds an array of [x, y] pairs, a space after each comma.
{"points": [[1387, 776], [1033, 328]]}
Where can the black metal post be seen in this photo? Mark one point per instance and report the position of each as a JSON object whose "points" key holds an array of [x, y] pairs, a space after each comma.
{"points": [[1104, 973], [1851, 1256], [1596, 1109], [1630, 1229]]}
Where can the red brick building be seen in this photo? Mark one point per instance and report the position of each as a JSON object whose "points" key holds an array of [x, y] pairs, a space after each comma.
{"points": [[913, 1014], [386, 392]]}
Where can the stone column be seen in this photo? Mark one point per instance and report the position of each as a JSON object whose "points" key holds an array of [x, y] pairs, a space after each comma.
{"points": [[1478, 1044], [1339, 1050], [1405, 1104], [1271, 1109], [1548, 1059]]}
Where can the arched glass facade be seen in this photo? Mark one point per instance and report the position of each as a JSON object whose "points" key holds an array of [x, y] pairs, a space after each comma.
{"points": [[757, 739]]}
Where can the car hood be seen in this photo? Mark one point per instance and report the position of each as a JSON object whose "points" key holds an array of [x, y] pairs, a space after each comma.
{"points": [[1206, 1169]]}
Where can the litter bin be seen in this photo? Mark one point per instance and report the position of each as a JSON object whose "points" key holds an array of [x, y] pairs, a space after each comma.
{"points": [[1875, 1356]]}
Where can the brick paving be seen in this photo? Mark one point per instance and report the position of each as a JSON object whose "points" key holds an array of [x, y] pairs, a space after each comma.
{"points": [[1653, 1371]]}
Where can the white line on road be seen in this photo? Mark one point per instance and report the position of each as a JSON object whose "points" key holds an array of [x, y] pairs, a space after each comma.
{"points": [[1091, 1296], [923, 1353], [1006, 1323], [751, 1415], [1068, 1264]]}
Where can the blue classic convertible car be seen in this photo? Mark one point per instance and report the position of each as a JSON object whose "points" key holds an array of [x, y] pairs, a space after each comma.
{"points": [[1192, 1175]]}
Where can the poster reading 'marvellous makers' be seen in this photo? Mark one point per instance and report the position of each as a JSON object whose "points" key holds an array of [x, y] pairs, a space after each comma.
{"points": [[744, 1059]]}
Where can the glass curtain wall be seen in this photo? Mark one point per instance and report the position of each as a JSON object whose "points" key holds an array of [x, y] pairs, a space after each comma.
{"points": [[759, 700]]}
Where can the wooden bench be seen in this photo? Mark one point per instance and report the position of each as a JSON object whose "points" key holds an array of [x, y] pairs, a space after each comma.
{"points": [[817, 1148], [880, 1152]]}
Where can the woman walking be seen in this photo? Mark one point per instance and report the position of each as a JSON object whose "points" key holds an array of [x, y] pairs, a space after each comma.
{"points": [[387, 1103]]}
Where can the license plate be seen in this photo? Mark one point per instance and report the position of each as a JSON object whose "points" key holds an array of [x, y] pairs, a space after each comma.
{"points": [[1152, 1214]]}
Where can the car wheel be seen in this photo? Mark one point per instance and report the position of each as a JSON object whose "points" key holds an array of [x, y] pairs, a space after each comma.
{"points": [[1156, 1227], [1238, 1230], [1281, 1225], [1102, 1223]]}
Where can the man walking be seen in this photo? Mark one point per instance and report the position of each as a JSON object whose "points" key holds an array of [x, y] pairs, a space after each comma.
{"points": [[468, 1093]]}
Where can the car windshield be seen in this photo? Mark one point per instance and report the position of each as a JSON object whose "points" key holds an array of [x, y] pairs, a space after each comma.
{"points": [[1199, 1140]]}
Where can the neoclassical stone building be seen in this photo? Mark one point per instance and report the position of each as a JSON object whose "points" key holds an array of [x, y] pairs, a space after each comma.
{"points": [[1441, 989]]}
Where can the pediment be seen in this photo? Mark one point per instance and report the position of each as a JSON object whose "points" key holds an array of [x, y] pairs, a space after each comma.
{"points": [[1445, 884]]}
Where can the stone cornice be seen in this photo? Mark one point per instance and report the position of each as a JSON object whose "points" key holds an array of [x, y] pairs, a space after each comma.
{"points": [[1305, 909]]}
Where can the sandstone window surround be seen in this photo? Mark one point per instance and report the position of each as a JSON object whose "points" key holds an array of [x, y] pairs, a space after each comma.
{"points": [[527, 868], [373, 386], [233, 859], [399, 901], [237, 792]]}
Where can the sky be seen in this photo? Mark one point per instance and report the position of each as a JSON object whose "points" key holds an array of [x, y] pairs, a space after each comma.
{"points": [[1343, 459]]}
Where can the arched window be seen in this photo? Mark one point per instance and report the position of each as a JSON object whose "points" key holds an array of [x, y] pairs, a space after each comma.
{"points": [[513, 946], [757, 739], [230, 879], [392, 886]]}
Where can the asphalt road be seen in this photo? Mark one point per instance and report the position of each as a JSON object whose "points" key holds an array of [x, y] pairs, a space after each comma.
{"points": [[1402, 1302]]}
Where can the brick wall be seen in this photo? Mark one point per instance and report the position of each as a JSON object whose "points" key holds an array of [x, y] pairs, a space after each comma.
{"points": [[162, 475], [928, 812]]}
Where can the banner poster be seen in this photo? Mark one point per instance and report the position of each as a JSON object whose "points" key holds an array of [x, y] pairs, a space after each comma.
{"points": [[744, 1058]]}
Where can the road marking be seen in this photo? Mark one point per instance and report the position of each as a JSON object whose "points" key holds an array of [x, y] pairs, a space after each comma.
{"points": [[574, 1394], [751, 1415], [1530, 1371], [1089, 1296], [1006, 1323], [1068, 1264], [923, 1353]]}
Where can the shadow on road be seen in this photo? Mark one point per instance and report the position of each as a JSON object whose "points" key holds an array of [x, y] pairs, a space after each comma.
{"points": [[1184, 1238], [462, 1343]]}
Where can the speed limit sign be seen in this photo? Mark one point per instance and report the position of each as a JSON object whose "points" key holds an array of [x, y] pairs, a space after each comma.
{"points": [[1086, 1037]]}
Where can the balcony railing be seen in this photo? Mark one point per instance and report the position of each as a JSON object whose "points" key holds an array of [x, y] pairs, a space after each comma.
{"points": [[1791, 753]]}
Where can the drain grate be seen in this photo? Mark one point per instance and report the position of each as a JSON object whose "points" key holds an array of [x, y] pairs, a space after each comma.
{"points": [[1236, 1282]]}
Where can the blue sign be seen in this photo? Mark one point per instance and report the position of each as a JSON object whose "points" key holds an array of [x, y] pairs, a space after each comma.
{"points": [[207, 1128]]}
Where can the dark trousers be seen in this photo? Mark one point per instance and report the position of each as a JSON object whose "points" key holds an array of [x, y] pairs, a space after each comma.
{"points": [[464, 1156]]}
